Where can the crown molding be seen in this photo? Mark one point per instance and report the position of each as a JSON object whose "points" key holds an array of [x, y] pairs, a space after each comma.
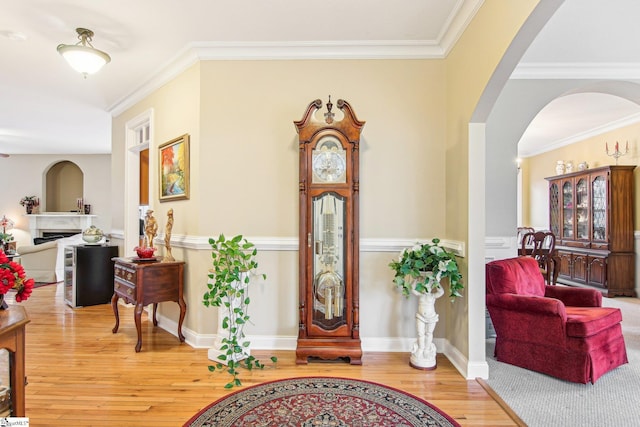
{"points": [[273, 51], [611, 126], [460, 18], [461, 15], [362, 49], [577, 70]]}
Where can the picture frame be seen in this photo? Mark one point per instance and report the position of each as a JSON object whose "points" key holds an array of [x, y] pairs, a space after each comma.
{"points": [[173, 174]]}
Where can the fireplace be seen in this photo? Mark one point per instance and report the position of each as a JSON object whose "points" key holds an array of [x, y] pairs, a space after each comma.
{"points": [[60, 233], [53, 223]]}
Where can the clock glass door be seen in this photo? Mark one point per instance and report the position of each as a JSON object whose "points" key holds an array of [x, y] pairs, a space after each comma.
{"points": [[329, 260]]}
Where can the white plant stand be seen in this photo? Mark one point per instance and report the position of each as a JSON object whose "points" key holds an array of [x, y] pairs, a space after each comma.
{"points": [[423, 354]]}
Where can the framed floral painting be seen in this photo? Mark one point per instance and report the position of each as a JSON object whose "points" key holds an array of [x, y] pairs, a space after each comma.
{"points": [[174, 169]]}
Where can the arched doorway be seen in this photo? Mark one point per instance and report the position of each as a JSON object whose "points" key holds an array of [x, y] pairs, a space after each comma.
{"points": [[479, 149], [64, 186]]}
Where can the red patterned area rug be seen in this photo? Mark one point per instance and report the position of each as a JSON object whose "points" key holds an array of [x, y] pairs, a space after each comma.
{"points": [[320, 401]]}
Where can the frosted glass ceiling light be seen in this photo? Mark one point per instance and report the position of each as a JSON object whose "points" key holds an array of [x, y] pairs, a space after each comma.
{"points": [[82, 56]]}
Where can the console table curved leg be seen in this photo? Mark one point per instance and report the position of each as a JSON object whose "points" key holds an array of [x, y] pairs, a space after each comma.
{"points": [[136, 316], [183, 311], [114, 305], [155, 308]]}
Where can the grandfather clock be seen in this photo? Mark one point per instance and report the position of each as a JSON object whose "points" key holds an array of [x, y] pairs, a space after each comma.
{"points": [[329, 238]]}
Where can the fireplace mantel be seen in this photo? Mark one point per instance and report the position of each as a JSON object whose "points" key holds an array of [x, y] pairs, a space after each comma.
{"points": [[58, 221]]}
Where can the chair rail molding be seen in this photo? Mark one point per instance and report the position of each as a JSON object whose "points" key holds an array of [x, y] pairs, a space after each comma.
{"points": [[265, 243], [500, 247]]}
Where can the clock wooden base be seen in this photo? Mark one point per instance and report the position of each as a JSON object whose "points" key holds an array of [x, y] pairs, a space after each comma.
{"points": [[329, 349]]}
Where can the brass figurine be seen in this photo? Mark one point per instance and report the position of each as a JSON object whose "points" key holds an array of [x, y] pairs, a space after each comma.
{"points": [[167, 237]]}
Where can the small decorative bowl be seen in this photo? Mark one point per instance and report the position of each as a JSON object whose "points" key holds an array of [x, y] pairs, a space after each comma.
{"points": [[144, 252], [92, 235]]}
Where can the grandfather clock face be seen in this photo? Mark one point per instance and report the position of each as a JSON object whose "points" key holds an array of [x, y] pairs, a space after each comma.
{"points": [[329, 161], [329, 186]]}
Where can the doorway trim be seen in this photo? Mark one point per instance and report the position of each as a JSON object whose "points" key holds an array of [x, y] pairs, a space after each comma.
{"points": [[134, 145]]}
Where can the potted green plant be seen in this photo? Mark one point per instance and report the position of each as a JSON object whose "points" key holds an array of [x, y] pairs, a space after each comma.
{"points": [[419, 271], [234, 264], [30, 203], [412, 264]]}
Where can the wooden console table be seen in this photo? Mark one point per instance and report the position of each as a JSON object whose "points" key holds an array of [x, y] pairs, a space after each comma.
{"points": [[147, 282], [12, 338]]}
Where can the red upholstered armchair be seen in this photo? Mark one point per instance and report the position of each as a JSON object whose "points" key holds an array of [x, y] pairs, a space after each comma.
{"points": [[560, 331]]}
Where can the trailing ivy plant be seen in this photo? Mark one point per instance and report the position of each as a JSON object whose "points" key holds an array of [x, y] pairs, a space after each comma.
{"points": [[234, 263]]}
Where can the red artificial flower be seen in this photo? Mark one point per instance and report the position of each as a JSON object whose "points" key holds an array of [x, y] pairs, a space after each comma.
{"points": [[24, 293], [7, 280], [13, 276]]}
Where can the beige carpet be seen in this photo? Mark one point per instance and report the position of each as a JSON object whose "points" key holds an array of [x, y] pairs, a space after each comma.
{"points": [[543, 401]]}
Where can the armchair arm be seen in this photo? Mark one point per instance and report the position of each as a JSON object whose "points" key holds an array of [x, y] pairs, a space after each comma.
{"points": [[528, 318], [527, 304], [29, 249], [574, 297]]}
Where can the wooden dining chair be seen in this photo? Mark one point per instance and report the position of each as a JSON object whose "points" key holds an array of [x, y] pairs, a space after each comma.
{"points": [[521, 232], [541, 246]]}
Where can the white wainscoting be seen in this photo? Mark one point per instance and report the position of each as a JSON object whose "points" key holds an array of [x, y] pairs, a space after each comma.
{"points": [[500, 247]]}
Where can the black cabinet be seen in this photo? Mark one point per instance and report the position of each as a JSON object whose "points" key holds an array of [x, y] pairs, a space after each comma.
{"points": [[88, 274]]}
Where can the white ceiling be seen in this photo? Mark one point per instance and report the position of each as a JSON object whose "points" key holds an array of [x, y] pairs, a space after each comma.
{"points": [[45, 107], [587, 40]]}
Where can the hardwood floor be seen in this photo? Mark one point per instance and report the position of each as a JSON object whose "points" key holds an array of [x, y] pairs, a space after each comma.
{"points": [[81, 374]]}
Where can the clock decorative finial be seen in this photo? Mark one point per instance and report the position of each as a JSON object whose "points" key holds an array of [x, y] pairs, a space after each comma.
{"points": [[328, 116]]}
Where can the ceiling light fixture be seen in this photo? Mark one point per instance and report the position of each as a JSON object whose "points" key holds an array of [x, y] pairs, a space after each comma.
{"points": [[82, 56]]}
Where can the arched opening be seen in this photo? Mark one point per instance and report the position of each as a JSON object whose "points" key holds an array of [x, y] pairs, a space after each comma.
{"points": [[486, 150], [64, 186], [586, 121]]}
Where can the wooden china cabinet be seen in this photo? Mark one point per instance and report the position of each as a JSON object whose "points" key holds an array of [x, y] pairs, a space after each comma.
{"points": [[329, 184], [591, 214]]}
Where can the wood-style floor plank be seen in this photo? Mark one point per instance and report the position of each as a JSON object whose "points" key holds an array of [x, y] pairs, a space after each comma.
{"points": [[80, 373]]}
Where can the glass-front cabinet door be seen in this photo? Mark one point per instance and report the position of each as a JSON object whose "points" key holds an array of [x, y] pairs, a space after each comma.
{"points": [[567, 210], [599, 212], [554, 208], [582, 209]]}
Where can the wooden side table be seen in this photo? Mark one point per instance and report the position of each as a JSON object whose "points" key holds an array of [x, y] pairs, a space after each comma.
{"points": [[147, 282], [12, 337]]}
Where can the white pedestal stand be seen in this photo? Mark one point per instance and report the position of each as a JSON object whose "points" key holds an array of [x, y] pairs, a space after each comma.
{"points": [[423, 354]]}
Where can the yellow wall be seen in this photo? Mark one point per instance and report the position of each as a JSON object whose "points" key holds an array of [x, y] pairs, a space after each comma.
{"points": [[414, 159], [591, 150], [469, 68], [249, 142], [244, 168], [176, 110]]}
